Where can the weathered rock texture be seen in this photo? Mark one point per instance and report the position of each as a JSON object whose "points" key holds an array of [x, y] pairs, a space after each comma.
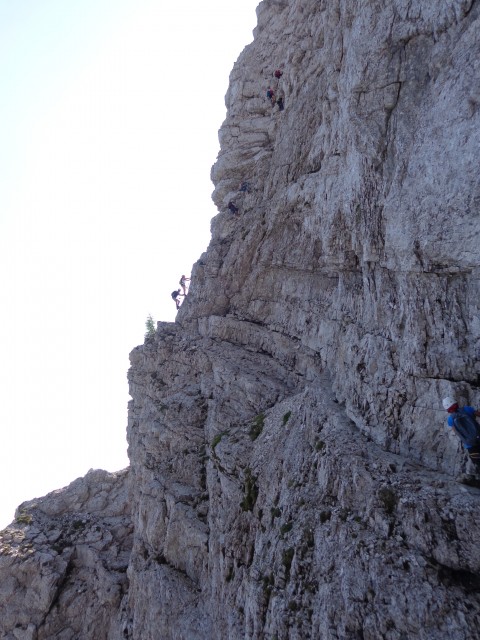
{"points": [[63, 562], [291, 476]]}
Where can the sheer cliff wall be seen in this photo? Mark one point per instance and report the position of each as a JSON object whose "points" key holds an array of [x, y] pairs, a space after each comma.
{"points": [[291, 476]]}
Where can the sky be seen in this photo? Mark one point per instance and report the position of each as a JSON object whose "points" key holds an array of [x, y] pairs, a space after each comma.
{"points": [[109, 113]]}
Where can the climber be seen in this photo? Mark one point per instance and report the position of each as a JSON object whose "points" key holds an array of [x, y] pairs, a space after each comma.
{"points": [[280, 99], [271, 96], [277, 74], [233, 208], [245, 187], [175, 296], [463, 421], [182, 283]]}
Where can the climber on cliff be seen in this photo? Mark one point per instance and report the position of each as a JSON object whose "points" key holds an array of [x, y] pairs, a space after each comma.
{"points": [[175, 296], [245, 187], [463, 422], [280, 99], [232, 208], [271, 96], [277, 75], [183, 284]]}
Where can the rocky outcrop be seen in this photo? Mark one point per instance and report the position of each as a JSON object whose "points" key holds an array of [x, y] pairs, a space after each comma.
{"points": [[266, 513], [291, 476], [64, 559]]}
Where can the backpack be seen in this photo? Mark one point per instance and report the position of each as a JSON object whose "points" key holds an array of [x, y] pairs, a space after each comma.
{"points": [[174, 294], [270, 94], [467, 428]]}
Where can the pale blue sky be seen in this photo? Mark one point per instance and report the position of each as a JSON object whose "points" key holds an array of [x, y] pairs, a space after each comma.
{"points": [[109, 112]]}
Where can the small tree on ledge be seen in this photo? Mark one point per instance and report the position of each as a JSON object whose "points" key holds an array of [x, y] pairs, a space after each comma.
{"points": [[150, 326]]}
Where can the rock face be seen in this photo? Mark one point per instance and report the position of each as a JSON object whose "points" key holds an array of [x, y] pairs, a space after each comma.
{"points": [[63, 562], [291, 476]]}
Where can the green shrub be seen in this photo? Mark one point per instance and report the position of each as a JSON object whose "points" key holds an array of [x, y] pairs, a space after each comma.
{"points": [[286, 417], [251, 491], [287, 559], [216, 440], [257, 426], [276, 512], [24, 518], [388, 499], [150, 327], [285, 528]]}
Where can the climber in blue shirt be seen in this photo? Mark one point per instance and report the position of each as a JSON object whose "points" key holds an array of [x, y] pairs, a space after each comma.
{"points": [[463, 421]]}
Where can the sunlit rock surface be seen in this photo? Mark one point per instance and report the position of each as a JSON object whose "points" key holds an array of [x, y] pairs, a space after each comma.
{"points": [[63, 562], [291, 476]]}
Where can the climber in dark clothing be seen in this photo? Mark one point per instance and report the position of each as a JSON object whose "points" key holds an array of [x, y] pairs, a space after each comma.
{"points": [[245, 187], [233, 208], [175, 296], [281, 99]]}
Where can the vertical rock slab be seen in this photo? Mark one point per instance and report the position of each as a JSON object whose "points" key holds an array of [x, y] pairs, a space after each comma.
{"points": [[293, 412]]}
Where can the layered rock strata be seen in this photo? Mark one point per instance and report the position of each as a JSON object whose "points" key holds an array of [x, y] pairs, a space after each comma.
{"points": [[291, 476]]}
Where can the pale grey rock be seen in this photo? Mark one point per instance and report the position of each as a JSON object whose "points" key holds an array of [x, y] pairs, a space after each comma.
{"points": [[63, 562], [291, 473]]}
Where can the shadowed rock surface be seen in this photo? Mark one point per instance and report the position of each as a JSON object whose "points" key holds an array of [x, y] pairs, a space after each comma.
{"points": [[291, 475]]}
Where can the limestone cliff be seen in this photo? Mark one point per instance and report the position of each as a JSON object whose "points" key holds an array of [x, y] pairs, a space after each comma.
{"points": [[64, 559], [291, 476]]}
